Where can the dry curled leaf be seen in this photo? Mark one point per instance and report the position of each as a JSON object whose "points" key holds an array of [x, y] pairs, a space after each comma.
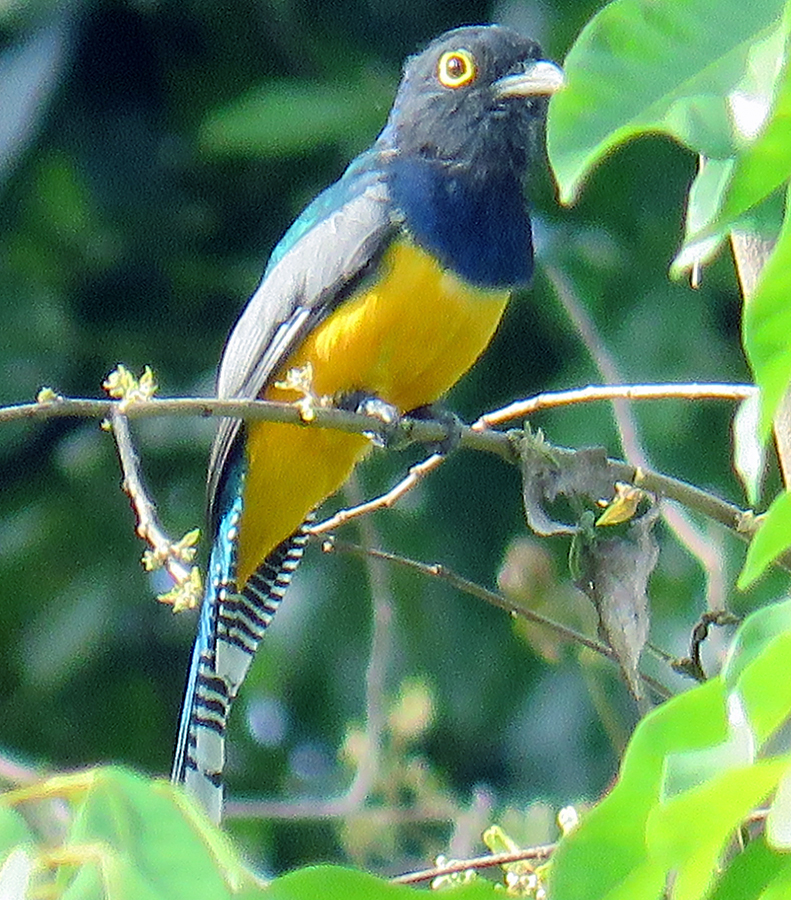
{"points": [[582, 477], [612, 568], [610, 564]]}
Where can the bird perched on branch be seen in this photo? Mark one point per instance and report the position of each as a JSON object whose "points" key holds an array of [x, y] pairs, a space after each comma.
{"points": [[386, 289]]}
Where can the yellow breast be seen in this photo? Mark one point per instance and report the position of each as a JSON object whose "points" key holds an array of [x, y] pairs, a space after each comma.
{"points": [[406, 339]]}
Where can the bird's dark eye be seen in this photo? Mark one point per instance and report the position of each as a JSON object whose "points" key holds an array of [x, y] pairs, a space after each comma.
{"points": [[456, 68]]}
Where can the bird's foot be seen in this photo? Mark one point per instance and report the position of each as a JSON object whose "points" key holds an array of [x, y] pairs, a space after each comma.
{"points": [[394, 431], [390, 432], [452, 424]]}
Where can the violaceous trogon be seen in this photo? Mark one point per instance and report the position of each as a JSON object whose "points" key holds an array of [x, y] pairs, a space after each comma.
{"points": [[389, 285]]}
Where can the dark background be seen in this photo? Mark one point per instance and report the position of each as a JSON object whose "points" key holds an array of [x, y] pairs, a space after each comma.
{"points": [[151, 154]]}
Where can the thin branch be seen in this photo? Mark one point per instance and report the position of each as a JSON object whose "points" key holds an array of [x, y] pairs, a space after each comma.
{"points": [[414, 476], [174, 558], [699, 544], [415, 430], [692, 666], [595, 393], [380, 653], [435, 570], [210, 407], [419, 430], [478, 437], [328, 417], [741, 522], [539, 854]]}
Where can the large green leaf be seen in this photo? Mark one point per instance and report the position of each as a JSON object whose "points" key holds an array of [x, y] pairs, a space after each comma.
{"points": [[752, 872], [766, 327], [755, 634], [145, 845], [641, 67], [771, 540], [17, 853], [764, 698], [765, 165], [689, 833], [337, 883], [13, 831], [704, 203], [741, 191], [615, 829], [687, 779]]}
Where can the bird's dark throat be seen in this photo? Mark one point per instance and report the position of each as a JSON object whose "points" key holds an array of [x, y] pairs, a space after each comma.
{"points": [[475, 222]]}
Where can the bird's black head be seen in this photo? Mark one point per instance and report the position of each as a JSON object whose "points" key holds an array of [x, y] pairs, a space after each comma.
{"points": [[474, 98], [466, 122]]}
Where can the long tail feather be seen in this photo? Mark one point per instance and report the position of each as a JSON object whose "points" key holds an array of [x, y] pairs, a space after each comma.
{"points": [[230, 628]]}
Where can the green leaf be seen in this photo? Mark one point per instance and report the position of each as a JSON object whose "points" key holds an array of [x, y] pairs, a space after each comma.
{"points": [[690, 768], [741, 192], [702, 233], [766, 327], [689, 833], [615, 829], [703, 203], [13, 831], [17, 853], [640, 67], [771, 540], [765, 698], [147, 847], [15, 872], [752, 871], [755, 634], [780, 887], [686, 780], [778, 821], [749, 451], [337, 883], [766, 164]]}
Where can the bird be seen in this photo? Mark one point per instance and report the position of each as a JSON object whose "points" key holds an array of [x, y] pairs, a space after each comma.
{"points": [[385, 290]]}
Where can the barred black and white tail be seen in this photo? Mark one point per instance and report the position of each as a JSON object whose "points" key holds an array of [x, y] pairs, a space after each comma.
{"points": [[231, 626]]}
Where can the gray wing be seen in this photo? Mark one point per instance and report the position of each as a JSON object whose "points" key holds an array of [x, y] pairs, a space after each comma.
{"points": [[328, 250]]}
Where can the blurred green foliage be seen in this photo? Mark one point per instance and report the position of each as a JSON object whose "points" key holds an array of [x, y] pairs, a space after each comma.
{"points": [[151, 154]]}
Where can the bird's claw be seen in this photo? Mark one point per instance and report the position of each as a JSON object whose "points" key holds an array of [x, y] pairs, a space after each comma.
{"points": [[390, 432], [394, 431], [452, 424]]}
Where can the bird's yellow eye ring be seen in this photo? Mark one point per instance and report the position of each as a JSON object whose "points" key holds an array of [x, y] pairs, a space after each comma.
{"points": [[456, 68]]}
